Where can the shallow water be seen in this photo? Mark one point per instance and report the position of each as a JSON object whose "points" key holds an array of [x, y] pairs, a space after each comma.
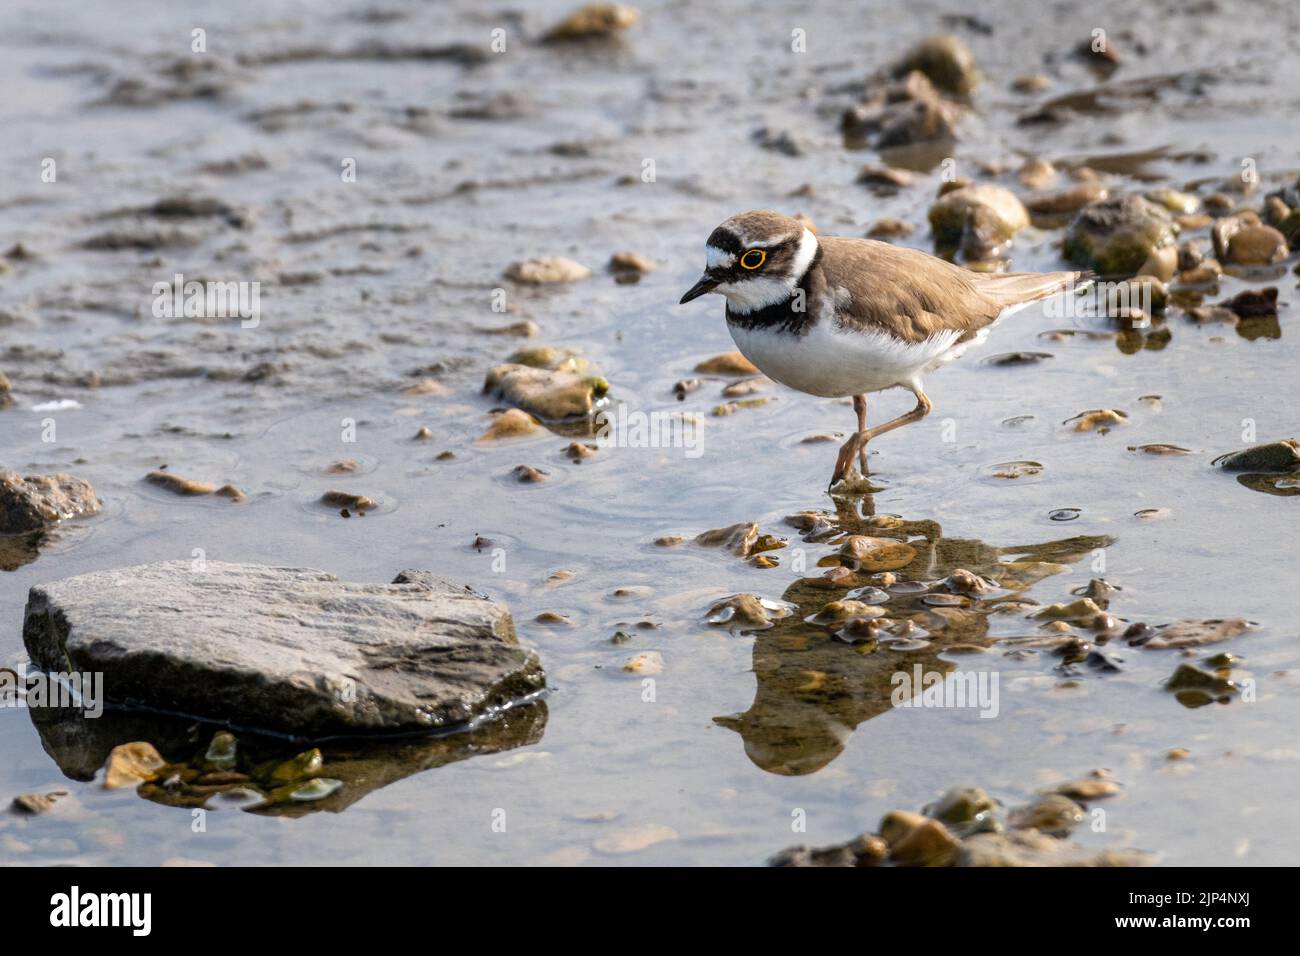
{"points": [[409, 257]]}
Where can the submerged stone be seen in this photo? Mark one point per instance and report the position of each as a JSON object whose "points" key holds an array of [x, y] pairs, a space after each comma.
{"points": [[1183, 634], [749, 612]]}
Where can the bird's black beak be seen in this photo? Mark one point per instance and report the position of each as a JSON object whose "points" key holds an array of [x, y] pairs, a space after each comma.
{"points": [[706, 284]]}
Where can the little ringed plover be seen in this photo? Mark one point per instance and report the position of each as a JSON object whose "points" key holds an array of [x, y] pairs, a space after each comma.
{"points": [[837, 316]]}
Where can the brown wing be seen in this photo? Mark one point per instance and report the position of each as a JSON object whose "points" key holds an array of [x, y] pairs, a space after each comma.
{"points": [[914, 295], [1012, 288]]}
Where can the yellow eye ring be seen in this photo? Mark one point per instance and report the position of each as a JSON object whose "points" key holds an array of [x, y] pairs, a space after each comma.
{"points": [[753, 259]]}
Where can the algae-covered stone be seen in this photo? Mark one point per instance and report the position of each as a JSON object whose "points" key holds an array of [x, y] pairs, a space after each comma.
{"points": [[1001, 212], [1278, 456], [961, 806], [1195, 687], [291, 650], [838, 613], [223, 751], [306, 764], [549, 395], [1053, 813], [1116, 236], [946, 61]]}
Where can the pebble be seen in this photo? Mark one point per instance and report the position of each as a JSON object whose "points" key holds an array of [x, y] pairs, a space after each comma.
{"points": [[131, 764], [1054, 813], [545, 270], [579, 451], [1003, 214], [513, 423], [595, 21], [525, 329], [890, 229], [1089, 788], [728, 363], [630, 262], [635, 839], [946, 61], [885, 178], [346, 499], [1281, 456], [1098, 419], [1031, 83], [1256, 246], [34, 803], [916, 840]]}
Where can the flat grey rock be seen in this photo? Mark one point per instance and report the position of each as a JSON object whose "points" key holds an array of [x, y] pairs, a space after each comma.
{"points": [[291, 650]]}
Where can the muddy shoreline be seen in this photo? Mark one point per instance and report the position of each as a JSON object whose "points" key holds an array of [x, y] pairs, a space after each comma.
{"points": [[381, 173]]}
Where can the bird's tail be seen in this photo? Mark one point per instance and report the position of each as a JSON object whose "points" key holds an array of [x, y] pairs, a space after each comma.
{"points": [[1016, 288]]}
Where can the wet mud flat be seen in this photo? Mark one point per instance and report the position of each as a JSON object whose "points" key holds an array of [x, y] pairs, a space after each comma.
{"points": [[721, 639]]}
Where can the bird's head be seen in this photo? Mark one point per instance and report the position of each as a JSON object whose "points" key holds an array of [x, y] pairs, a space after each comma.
{"points": [[755, 259]]}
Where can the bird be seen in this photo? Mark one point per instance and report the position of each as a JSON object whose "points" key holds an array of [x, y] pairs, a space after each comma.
{"points": [[839, 316]]}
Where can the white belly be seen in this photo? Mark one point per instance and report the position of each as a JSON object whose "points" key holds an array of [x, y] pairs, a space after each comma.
{"points": [[837, 362]]}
